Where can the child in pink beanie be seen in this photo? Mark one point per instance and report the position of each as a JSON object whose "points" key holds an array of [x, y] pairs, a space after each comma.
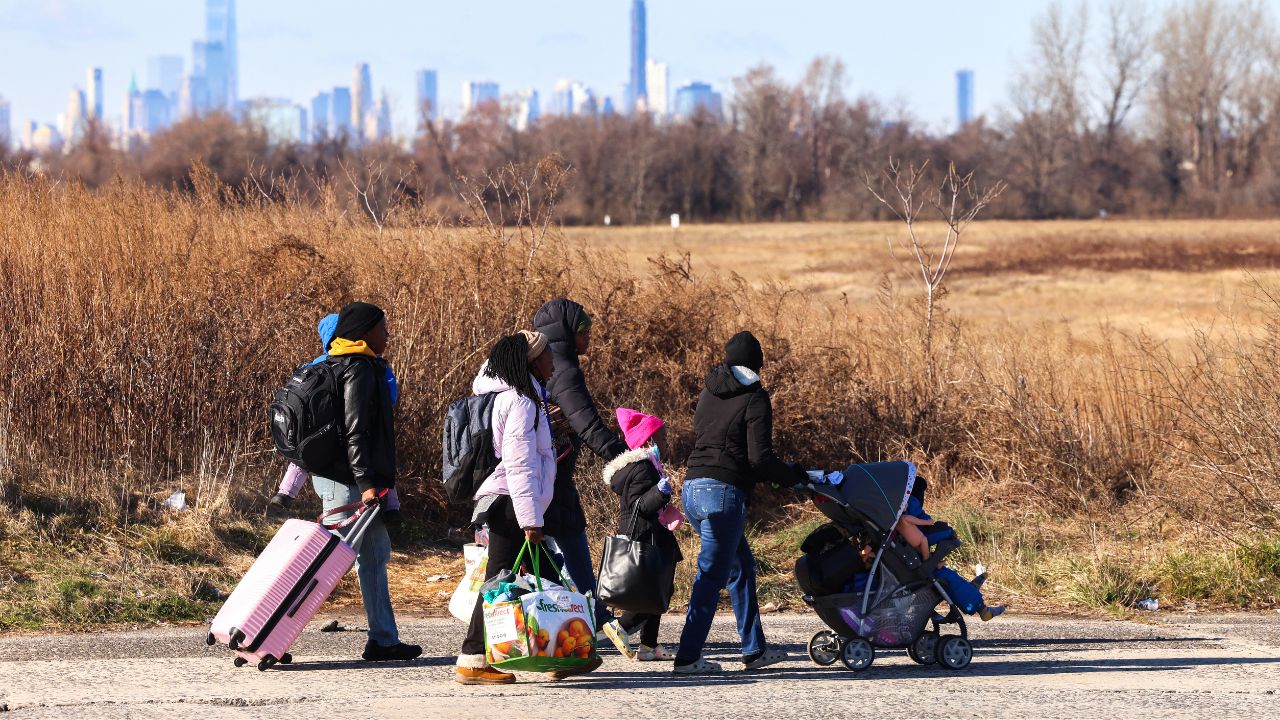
{"points": [[645, 491]]}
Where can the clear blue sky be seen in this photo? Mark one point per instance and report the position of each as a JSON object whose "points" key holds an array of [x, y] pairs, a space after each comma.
{"points": [[905, 53]]}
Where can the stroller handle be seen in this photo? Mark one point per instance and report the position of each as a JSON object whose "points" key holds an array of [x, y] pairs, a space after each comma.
{"points": [[823, 491]]}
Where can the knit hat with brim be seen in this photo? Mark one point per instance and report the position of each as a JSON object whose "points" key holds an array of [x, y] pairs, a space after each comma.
{"points": [[357, 319], [537, 343]]}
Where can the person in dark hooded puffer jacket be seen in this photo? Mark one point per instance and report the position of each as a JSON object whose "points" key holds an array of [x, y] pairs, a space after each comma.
{"points": [[576, 422], [732, 450]]}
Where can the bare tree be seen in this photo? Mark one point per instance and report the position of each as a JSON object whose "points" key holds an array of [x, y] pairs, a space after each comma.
{"points": [[957, 199], [768, 146], [820, 99], [1124, 64], [1123, 69], [1048, 111], [1213, 56]]}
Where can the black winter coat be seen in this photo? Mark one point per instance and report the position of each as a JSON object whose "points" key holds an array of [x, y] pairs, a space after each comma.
{"points": [[733, 435], [568, 389], [367, 424], [635, 479]]}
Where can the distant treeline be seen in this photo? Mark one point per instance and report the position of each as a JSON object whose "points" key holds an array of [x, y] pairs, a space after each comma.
{"points": [[1117, 110]]}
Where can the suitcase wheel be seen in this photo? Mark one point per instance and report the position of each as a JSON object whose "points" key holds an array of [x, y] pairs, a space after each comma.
{"points": [[210, 639], [286, 659], [237, 637], [266, 662], [239, 662]]}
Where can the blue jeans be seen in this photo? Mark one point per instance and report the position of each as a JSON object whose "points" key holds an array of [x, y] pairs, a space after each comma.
{"points": [[572, 553], [966, 597], [718, 511], [371, 561]]}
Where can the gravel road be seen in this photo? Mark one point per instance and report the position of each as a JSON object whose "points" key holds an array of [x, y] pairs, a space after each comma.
{"points": [[1174, 666]]}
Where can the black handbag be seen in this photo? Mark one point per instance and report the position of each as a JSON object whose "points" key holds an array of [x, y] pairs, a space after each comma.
{"points": [[635, 577]]}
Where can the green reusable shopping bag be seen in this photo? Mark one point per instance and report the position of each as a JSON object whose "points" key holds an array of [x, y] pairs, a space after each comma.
{"points": [[550, 629]]}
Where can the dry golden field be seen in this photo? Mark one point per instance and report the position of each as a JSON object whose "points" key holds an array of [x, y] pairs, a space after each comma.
{"points": [[1086, 468], [1165, 277]]}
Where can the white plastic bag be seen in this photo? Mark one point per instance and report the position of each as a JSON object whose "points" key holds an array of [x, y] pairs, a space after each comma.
{"points": [[463, 602]]}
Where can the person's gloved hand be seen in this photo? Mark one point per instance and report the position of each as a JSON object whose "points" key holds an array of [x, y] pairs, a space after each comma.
{"points": [[664, 486]]}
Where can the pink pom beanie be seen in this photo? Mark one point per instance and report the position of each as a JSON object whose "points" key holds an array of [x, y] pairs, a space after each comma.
{"points": [[637, 427]]}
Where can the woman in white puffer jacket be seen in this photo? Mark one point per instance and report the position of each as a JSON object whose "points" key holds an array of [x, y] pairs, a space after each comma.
{"points": [[514, 498]]}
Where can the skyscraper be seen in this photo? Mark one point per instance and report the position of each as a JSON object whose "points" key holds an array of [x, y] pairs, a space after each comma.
{"points": [[94, 98], [193, 96], [377, 122], [282, 120], [155, 111], [477, 93], [361, 96], [964, 97], [321, 106], [209, 61], [340, 112], [76, 118], [526, 110], [220, 28], [656, 93], [695, 97], [43, 138], [637, 87], [428, 97], [164, 73], [573, 98], [132, 119]]}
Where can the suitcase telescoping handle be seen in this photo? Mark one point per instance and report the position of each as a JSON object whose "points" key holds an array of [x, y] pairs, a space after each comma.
{"points": [[359, 521]]}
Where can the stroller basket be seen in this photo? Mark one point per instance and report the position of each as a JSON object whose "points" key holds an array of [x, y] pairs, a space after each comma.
{"points": [[897, 617]]}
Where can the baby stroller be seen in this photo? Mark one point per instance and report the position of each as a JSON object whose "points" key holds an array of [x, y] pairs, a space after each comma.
{"points": [[890, 604]]}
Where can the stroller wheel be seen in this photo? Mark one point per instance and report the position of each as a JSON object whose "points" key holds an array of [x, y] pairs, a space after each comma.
{"points": [[824, 648], [924, 649], [857, 654], [954, 652]]}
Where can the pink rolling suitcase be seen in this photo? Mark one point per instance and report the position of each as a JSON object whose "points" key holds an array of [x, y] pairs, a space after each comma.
{"points": [[285, 587]]}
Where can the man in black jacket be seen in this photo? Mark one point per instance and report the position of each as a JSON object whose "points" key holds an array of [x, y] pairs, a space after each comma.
{"points": [[733, 449], [568, 329], [369, 465]]}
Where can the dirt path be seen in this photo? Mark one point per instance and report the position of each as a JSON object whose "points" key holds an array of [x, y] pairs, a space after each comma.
{"points": [[1179, 666]]}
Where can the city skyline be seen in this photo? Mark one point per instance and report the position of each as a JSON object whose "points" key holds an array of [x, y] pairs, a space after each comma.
{"points": [[603, 30]]}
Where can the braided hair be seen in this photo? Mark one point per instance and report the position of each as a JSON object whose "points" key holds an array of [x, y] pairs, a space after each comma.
{"points": [[509, 362]]}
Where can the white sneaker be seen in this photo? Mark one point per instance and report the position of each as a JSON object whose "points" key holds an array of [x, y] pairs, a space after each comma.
{"points": [[646, 653], [771, 656], [700, 666], [613, 630]]}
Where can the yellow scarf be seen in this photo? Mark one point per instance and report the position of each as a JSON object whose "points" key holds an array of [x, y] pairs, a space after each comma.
{"points": [[342, 346]]}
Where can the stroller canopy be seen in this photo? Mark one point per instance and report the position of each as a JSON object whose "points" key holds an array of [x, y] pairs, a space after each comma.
{"points": [[878, 491]]}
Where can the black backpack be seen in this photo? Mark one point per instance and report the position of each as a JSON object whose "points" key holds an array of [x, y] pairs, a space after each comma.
{"points": [[305, 418], [468, 446]]}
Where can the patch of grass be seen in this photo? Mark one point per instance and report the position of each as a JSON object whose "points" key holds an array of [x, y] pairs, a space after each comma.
{"points": [[167, 547], [244, 536], [1104, 583], [1194, 576]]}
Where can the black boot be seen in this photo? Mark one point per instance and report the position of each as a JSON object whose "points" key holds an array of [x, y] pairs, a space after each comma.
{"points": [[278, 505], [374, 652]]}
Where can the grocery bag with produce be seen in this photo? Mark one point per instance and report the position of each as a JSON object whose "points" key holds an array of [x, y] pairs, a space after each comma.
{"points": [[534, 624]]}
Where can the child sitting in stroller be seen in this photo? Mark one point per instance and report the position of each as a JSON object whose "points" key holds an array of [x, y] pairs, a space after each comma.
{"points": [[966, 595]]}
